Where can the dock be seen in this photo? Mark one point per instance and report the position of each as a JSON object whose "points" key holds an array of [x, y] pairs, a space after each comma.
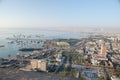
{"points": [[30, 39]]}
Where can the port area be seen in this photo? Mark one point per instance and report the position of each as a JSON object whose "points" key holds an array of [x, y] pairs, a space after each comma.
{"points": [[44, 64], [92, 58]]}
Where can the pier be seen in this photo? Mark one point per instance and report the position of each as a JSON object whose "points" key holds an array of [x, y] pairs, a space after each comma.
{"points": [[30, 39]]}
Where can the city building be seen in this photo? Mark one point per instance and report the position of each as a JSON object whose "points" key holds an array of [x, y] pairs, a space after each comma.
{"points": [[96, 59], [114, 78], [39, 65], [63, 45], [103, 50], [59, 57]]}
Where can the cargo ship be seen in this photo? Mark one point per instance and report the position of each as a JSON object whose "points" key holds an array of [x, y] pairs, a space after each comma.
{"points": [[29, 49]]}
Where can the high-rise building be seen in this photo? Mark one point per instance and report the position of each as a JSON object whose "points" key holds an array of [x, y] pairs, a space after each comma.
{"points": [[103, 50]]}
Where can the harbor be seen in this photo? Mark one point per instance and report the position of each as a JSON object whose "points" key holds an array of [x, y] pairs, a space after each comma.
{"points": [[13, 40], [27, 43]]}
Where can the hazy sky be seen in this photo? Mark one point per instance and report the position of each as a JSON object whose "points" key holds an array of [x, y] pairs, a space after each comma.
{"points": [[59, 13]]}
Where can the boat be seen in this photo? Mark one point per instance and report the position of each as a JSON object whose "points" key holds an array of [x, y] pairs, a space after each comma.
{"points": [[29, 49], [8, 63], [2, 45]]}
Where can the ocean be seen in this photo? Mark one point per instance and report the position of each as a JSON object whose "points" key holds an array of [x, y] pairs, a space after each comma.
{"points": [[12, 49]]}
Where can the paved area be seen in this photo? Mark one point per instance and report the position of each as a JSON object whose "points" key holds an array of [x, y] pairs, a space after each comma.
{"points": [[14, 74]]}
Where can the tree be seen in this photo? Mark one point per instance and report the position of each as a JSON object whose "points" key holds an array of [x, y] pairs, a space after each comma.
{"points": [[73, 73], [102, 63], [116, 73], [64, 73], [101, 78], [80, 76]]}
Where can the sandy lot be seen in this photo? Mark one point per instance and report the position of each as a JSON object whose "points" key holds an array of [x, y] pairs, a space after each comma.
{"points": [[16, 74]]}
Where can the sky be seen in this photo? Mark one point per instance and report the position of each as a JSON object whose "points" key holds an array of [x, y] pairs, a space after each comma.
{"points": [[59, 13]]}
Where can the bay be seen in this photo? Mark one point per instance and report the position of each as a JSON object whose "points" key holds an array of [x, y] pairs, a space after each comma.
{"points": [[12, 49]]}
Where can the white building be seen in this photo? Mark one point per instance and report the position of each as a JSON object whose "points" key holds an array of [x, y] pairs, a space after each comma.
{"points": [[114, 78], [59, 58], [39, 65]]}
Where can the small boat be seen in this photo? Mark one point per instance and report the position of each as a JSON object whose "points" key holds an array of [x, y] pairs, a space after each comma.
{"points": [[2, 45], [7, 63], [12, 42]]}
